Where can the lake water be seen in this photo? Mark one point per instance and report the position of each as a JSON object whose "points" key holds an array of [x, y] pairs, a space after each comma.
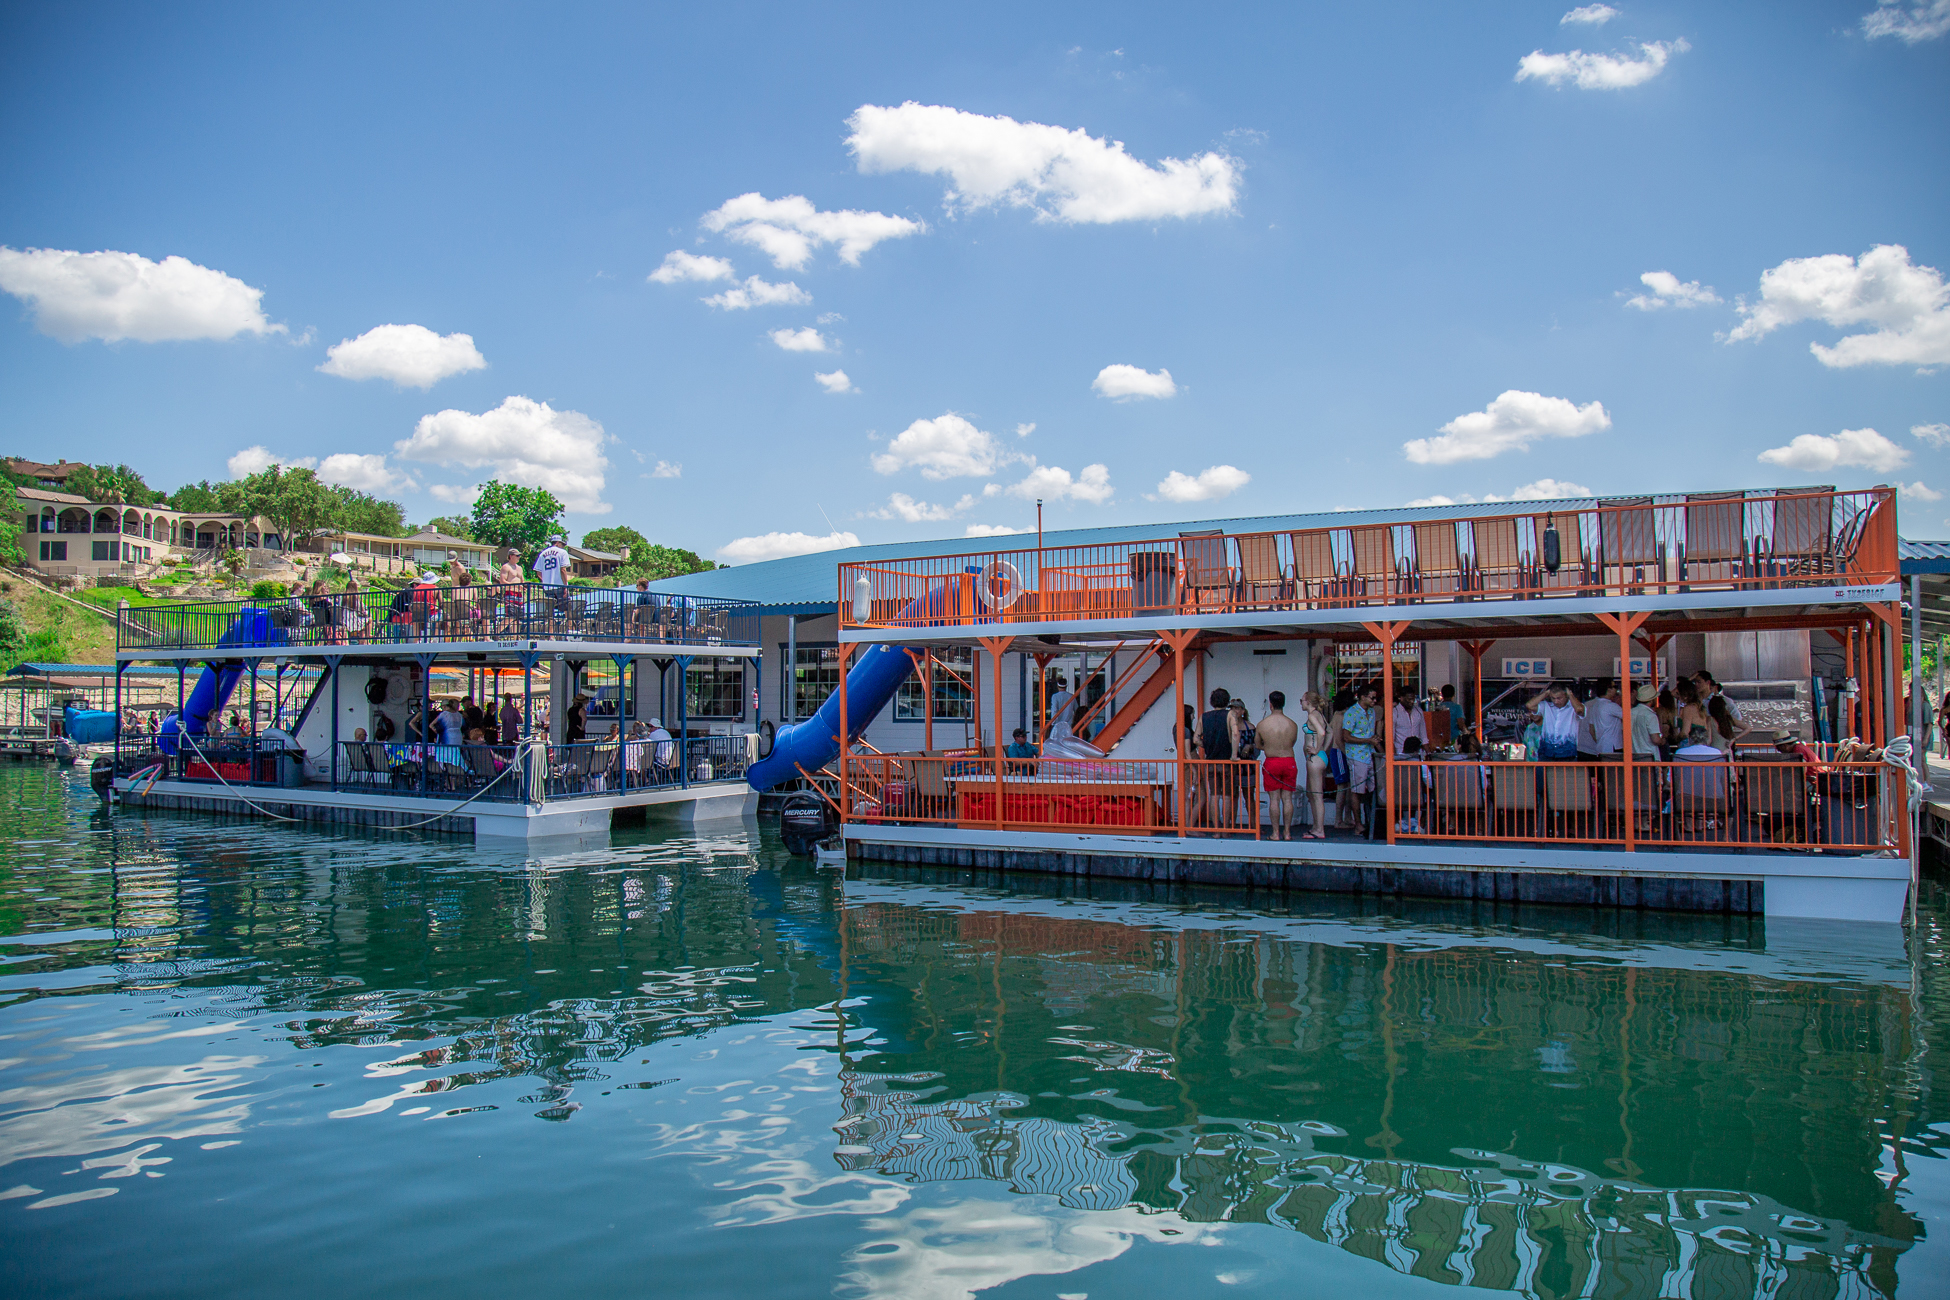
{"points": [[245, 1059]]}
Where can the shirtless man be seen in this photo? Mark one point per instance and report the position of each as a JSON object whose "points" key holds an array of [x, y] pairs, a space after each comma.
{"points": [[1280, 773], [510, 593]]}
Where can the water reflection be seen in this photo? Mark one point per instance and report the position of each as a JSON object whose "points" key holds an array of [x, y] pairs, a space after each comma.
{"points": [[993, 1083]]}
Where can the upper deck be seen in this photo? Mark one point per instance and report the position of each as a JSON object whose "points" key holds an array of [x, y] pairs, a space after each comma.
{"points": [[1742, 552], [508, 618]]}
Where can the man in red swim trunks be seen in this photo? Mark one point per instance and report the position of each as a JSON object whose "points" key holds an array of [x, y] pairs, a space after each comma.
{"points": [[1280, 774]]}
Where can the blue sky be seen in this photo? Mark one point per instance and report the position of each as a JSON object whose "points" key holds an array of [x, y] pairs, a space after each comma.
{"points": [[1385, 267]]}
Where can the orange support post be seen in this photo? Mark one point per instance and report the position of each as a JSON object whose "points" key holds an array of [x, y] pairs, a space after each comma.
{"points": [[997, 646], [1477, 649], [1178, 641], [1384, 794], [1625, 625], [846, 800]]}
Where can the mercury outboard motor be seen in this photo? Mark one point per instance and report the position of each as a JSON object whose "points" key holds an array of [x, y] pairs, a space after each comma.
{"points": [[101, 775], [804, 821]]}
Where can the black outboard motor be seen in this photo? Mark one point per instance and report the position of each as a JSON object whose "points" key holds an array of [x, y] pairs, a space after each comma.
{"points": [[804, 821], [101, 775]]}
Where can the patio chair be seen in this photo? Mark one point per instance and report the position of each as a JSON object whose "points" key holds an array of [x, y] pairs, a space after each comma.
{"points": [[1207, 577], [480, 761], [1628, 542], [1570, 550], [1567, 797], [1315, 575], [1776, 787], [1408, 797], [1514, 789], [1458, 796], [1498, 565], [1803, 532], [1716, 536], [1263, 580], [1374, 560], [1438, 560], [1699, 797], [1647, 797], [358, 764]]}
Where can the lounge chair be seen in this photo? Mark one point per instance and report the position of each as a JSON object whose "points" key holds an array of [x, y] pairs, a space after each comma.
{"points": [[1263, 580]]}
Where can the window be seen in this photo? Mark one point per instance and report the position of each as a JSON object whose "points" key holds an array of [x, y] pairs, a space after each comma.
{"points": [[715, 688], [951, 694], [607, 694], [103, 550], [816, 676], [56, 551]]}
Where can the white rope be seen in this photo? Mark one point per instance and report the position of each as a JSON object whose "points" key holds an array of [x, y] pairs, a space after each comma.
{"points": [[249, 803], [1897, 755]]}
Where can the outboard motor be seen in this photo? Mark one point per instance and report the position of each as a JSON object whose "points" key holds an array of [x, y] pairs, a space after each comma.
{"points": [[804, 821], [101, 775]]}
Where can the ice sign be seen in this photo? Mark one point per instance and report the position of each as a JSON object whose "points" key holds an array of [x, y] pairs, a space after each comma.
{"points": [[1526, 668]]}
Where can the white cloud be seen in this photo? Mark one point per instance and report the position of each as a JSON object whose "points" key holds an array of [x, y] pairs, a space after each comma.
{"points": [[1209, 485], [788, 230], [365, 473], [1510, 423], [666, 469], [1024, 430], [460, 494], [1919, 492], [1849, 449], [1053, 483], [1668, 290], [113, 296], [807, 339], [776, 546], [1123, 383], [255, 460], [991, 530], [947, 446], [521, 441], [1921, 22], [1909, 306], [1592, 15], [680, 265], [1544, 489], [904, 507], [755, 292], [834, 381], [1935, 434], [412, 356], [1065, 175], [1599, 71]]}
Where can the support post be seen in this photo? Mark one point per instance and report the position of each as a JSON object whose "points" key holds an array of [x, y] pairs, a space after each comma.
{"points": [[1915, 720], [251, 714], [332, 663], [684, 719], [790, 681], [426, 717], [1384, 794], [1625, 625], [927, 701], [997, 646], [1179, 641], [1892, 680], [116, 770]]}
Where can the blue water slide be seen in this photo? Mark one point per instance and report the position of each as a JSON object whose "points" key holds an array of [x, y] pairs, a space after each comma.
{"points": [[206, 699], [877, 672]]}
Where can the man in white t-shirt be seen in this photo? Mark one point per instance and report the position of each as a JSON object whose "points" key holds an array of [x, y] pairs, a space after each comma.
{"points": [[552, 568], [1606, 716]]}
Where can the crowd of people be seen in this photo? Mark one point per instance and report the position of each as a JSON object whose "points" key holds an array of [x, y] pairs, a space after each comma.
{"points": [[1333, 747]]}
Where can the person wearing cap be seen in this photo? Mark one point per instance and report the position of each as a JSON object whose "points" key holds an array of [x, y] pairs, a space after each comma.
{"points": [[455, 569], [576, 725], [1646, 727], [426, 601], [663, 750]]}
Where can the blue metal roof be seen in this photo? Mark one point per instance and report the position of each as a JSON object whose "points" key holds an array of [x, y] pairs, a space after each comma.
{"points": [[1923, 557]]}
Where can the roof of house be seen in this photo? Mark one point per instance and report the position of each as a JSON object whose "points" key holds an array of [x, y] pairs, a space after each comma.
{"points": [[601, 557], [1923, 557], [39, 469], [60, 498]]}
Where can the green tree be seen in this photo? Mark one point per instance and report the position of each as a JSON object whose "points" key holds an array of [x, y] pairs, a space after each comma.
{"points": [[454, 526], [15, 509], [509, 515], [616, 540], [655, 562], [293, 500], [112, 483], [196, 498], [361, 512]]}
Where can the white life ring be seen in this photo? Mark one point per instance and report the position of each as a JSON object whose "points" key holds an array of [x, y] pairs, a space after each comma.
{"points": [[998, 586]]}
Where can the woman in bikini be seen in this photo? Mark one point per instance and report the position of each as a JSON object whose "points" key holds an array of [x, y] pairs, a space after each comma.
{"points": [[1313, 750]]}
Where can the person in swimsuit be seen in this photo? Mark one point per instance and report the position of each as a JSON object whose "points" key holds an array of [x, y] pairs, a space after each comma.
{"points": [[1279, 774], [1313, 737]]}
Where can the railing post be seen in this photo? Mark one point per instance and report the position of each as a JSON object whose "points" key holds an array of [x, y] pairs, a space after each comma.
{"points": [[332, 663], [1387, 634], [997, 646], [684, 721]]}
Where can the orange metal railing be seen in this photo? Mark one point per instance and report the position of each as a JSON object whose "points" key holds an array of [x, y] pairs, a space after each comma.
{"points": [[1769, 801], [1113, 796], [1738, 541]]}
